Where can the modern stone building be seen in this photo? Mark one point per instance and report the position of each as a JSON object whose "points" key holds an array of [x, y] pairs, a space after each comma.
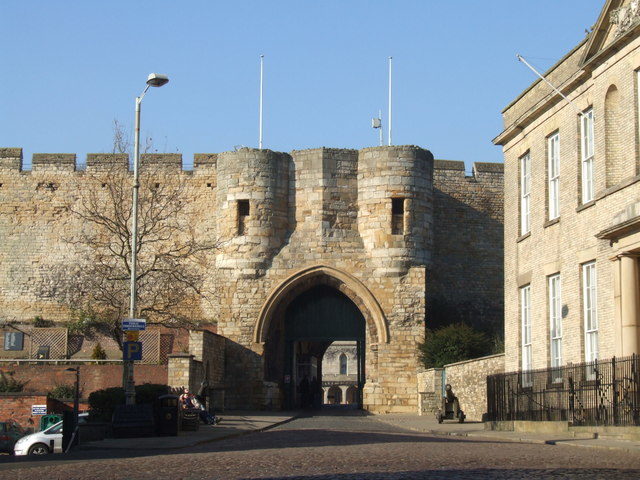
{"points": [[572, 203], [315, 246]]}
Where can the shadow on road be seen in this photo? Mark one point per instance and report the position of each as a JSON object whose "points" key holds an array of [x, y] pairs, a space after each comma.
{"points": [[280, 438], [473, 474]]}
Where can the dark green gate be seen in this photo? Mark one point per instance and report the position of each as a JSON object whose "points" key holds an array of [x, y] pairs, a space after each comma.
{"points": [[318, 317]]}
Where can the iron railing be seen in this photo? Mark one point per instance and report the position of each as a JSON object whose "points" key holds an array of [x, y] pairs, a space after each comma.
{"points": [[604, 392]]}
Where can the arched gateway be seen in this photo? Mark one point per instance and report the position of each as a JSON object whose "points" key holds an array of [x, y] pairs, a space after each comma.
{"points": [[303, 316]]}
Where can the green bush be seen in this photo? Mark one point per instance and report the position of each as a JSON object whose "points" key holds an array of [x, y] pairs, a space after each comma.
{"points": [[102, 403], [40, 322], [8, 384], [98, 352], [149, 392], [453, 343], [62, 392]]}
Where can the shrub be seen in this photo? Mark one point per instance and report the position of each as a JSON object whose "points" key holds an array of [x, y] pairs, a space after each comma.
{"points": [[102, 403], [40, 322], [62, 392], [10, 384], [98, 352], [149, 392], [453, 343]]}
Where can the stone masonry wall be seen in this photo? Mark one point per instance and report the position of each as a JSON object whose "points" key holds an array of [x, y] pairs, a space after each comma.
{"points": [[324, 209], [429, 391], [466, 274], [468, 380]]}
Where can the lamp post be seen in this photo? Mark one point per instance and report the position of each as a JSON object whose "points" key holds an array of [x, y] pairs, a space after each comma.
{"points": [[76, 407], [76, 395], [154, 80]]}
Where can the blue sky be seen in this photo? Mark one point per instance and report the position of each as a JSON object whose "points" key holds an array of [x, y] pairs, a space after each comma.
{"points": [[71, 67]]}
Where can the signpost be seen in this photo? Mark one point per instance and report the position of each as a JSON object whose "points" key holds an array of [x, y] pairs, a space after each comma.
{"points": [[134, 324], [132, 335], [132, 347], [132, 351]]}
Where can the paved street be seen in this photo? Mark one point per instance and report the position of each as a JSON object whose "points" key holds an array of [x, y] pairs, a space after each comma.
{"points": [[341, 447]]}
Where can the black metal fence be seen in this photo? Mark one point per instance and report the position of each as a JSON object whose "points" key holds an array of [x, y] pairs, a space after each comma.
{"points": [[596, 393]]}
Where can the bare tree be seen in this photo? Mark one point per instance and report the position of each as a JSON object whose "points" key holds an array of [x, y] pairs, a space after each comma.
{"points": [[121, 139], [122, 142], [171, 260]]}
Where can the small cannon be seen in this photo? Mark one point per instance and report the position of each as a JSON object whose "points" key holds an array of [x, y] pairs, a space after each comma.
{"points": [[450, 407]]}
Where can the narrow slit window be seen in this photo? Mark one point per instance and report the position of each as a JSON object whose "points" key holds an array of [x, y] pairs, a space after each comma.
{"points": [[397, 216], [243, 216]]}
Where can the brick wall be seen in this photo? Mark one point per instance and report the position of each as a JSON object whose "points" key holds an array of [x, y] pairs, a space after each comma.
{"points": [[43, 378], [17, 407]]}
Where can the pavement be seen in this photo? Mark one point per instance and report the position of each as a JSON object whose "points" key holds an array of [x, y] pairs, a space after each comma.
{"points": [[234, 424], [428, 424]]}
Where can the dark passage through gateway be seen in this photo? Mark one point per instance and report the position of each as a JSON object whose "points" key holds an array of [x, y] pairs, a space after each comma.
{"points": [[298, 340]]}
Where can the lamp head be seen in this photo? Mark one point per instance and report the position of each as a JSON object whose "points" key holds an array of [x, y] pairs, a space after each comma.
{"points": [[157, 80]]}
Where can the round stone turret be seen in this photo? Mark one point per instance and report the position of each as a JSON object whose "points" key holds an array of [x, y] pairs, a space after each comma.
{"points": [[395, 199], [252, 209]]}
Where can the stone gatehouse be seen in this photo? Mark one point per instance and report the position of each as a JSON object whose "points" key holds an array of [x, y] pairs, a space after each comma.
{"points": [[315, 246]]}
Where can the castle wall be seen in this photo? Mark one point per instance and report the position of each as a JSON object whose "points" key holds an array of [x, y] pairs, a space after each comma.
{"points": [[466, 274], [321, 207]]}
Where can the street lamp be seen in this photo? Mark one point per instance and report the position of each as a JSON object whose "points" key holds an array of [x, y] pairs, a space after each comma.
{"points": [[76, 408], [154, 80]]}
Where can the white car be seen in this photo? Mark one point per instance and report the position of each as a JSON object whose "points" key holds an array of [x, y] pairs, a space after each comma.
{"points": [[44, 442]]}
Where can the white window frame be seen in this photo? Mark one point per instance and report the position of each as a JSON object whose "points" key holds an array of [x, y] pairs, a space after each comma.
{"points": [[525, 330], [525, 194], [587, 137], [553, 169], [590, 311], [555, 325]]}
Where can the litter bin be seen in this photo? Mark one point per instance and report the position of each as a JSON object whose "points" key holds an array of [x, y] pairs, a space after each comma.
{"points": [[47, 420], [168, 415], [190, 419]]}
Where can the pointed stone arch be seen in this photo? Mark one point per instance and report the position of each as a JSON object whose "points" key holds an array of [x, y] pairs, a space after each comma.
{"points": [[319, 275]]}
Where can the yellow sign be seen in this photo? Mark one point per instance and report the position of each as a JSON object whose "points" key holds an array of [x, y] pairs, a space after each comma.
{"points": [[133, 335]]}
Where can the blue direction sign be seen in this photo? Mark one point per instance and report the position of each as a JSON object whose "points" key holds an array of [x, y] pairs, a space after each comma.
{"points": [[132, 351], [134, 324]]}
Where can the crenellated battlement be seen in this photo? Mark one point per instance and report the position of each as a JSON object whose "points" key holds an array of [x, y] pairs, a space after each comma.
{"points": [[455, 170], [107, 161], [388, 228]]}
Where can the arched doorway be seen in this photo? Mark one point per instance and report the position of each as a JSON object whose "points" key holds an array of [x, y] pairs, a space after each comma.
{"points": [[334, 397], [298, 338], [352, 395]]}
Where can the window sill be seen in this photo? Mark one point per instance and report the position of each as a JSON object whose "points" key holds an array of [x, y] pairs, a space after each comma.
{"points": [[548, 223], [522, 237], [616, 188], [584, 206]]}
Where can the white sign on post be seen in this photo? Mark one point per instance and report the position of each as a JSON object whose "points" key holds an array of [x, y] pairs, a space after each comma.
{"points": [[132, 324]]}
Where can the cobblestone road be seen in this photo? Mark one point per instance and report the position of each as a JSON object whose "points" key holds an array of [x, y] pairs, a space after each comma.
{"points": [[339, 448]]}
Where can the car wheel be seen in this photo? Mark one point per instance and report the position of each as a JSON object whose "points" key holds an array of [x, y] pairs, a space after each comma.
{"points": [[38, 449]]}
